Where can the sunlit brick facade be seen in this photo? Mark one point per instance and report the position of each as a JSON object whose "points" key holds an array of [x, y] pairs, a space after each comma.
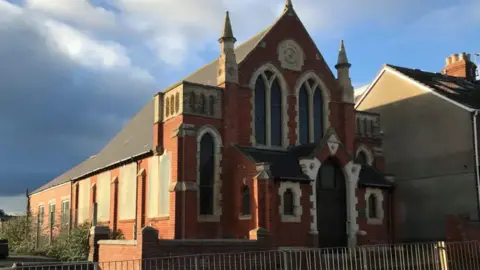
{"points": [[266, 137]]}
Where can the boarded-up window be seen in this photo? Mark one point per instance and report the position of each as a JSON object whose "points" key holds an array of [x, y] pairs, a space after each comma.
{"points": [[51, 214], [103, 196], [128, 184], [164, 185], [83, 200], [65, 215], [159, 185], [152, 186], [41, 216]]}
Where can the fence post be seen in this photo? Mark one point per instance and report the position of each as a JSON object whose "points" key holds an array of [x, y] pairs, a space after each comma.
{"points": [[442, 255]]}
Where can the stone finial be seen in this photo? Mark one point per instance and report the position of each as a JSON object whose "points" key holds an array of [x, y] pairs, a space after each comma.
{"points": [[342, 56], [227, 28], [288, 4]]}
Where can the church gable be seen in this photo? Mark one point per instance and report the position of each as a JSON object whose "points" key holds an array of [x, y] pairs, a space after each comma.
{"points": [[288, 46]]}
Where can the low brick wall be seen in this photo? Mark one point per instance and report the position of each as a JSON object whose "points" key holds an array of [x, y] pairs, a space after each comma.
{"points": [[460, 228], [148, 246], [118, 250]]}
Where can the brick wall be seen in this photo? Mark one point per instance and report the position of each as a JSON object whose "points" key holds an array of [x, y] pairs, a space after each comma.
{"points": [[375, 233], [148, 245], [460, 228]]}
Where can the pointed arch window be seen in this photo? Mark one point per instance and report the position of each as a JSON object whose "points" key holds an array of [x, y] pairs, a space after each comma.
{"points": [[201, 104], [269, 114], [207, 174], [177, 102], [317, 115], [260, 111], [304, 115], [211, 105], [276, 114], [167, 107], [310, 112], [372, 206], [192, 101], [288, 203], [172, 105], [245, 201]]}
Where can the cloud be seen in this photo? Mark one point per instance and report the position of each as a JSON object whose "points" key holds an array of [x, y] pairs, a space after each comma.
{"points": [[64, 95], [81, 12], [74, 72]]}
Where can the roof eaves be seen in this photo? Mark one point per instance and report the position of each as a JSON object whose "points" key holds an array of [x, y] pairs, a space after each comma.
{"points": [[132, 158], [39, 190]]}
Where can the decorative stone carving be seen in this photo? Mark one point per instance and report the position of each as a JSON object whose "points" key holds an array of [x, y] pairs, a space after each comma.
{"points": [[290, 55]]}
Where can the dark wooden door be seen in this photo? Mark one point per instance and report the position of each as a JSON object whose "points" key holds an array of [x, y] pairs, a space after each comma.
{"points": [[331, 206]]}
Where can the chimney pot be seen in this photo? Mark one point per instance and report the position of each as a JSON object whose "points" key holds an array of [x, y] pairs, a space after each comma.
{"points": [[454, 58], [448, 60]]}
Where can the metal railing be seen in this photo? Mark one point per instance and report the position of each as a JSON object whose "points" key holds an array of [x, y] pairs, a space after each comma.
{"points": [[53, 266], [435, 256], [441, 256]]}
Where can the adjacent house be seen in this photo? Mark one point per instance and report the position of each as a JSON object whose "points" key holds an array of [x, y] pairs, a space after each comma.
{"points": [[264, 136], [430, 136]]}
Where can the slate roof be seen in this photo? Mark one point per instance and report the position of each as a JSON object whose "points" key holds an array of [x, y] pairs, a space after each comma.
{"points": [[371, 177], [457, 89], [137, 136], [284, 164]]}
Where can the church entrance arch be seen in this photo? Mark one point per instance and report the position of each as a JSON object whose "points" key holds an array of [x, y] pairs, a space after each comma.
{"points": [[331, 207]]}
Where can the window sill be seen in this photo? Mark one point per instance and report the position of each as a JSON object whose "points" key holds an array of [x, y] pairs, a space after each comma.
{"points": [[244, 217], [158, 218], [208, 218], [290, 218], [374, 221]]}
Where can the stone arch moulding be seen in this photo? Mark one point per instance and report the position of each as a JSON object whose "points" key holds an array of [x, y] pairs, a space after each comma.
{"points": [[310, 89], [217, 195], [368, 153], [285, 92], [311, 165]]}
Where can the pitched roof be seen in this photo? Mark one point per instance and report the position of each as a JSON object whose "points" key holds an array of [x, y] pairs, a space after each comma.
{"points": [[137, 136], [456, 89], [284, 164], [369, 176]]}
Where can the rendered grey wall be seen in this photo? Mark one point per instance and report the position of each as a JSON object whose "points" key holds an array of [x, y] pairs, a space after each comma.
{"points": [[428, 146]]}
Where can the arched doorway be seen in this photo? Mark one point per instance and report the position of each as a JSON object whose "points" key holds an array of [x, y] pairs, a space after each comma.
{"points": [[331, 205]]}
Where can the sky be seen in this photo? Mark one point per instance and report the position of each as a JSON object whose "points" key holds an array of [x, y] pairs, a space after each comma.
{"points": [[73, 72]]}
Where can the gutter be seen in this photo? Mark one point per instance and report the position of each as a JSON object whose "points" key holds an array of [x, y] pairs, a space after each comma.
{"points": [[111, 164], [475, 145]]}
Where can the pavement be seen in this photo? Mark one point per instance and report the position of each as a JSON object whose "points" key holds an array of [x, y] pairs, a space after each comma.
{"points": [[8, 262]]}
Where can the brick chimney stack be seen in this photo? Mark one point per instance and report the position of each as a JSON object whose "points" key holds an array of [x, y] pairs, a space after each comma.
{"points": [[460, 65]]}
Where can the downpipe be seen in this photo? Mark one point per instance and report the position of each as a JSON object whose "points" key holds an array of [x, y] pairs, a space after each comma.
{"points": [[135, 232]]}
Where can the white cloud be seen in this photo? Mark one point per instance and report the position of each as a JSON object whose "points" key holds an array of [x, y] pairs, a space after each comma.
{"points": [[79, 47], [79, 11]]}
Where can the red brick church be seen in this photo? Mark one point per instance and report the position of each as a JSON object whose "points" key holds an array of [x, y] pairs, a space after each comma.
{"points": [[265, 136]]}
